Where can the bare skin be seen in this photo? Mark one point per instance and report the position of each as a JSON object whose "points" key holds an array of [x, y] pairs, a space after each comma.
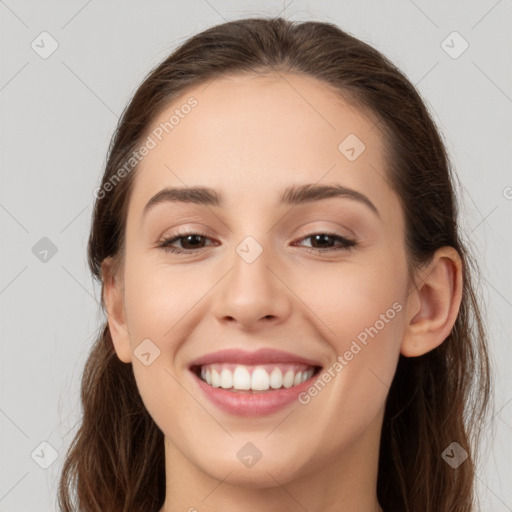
{"points": [[250, 138]]}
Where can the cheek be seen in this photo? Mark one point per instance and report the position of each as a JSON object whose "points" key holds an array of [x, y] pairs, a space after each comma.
{"points": [[361, 312], [351, 298], [155, 303], [157, 296], [365, 321]]}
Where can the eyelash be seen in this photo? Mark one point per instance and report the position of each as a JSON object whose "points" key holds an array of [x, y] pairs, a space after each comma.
{"points": [[166, 243]]}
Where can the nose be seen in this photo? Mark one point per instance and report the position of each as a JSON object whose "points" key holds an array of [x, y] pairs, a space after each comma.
{"points": [[254, 294]]}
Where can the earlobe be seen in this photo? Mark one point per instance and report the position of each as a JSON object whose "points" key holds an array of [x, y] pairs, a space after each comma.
{"points": [[434, 305], [113, 298]]}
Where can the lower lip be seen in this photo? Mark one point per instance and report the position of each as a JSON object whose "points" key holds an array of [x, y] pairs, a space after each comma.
{"points": [[253, 404]]}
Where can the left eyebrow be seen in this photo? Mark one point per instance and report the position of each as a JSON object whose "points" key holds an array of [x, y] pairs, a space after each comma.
{"points": [[294, 195], [307, 193]]}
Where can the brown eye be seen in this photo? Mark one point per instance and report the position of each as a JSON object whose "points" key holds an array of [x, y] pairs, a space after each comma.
{"points": [[190, 242], [325, 241]]}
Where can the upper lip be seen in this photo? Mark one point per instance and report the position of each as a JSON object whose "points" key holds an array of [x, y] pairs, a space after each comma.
{"points": [[262, 356]]}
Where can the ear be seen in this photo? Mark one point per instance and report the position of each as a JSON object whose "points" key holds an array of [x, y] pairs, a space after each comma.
{"points": [[433, 304], [113, 298]]}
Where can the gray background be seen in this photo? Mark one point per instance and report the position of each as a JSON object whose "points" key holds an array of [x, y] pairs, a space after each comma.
{"points": [[59, 112]]}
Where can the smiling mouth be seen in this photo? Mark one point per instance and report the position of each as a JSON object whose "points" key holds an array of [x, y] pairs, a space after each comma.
{"points": [[262, 378]]}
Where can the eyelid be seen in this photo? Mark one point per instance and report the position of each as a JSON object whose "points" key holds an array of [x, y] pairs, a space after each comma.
{"points": [[204, 231], [309, 230], [346, 243], [182, 233]]}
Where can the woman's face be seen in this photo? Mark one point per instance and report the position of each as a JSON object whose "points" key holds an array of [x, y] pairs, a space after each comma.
{"points": [[258, 278]]}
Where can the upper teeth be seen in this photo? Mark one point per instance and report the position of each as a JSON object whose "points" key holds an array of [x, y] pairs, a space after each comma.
{"points": [[239, 377]]}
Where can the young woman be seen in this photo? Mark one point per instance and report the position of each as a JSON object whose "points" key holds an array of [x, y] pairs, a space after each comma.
{"points": [[291, 320]]}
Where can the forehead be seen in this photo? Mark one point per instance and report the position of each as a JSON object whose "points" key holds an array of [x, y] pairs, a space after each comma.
{"points": [[252, 136]]}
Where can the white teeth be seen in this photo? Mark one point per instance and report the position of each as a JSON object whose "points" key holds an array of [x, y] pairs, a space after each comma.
{"points": [[288, 379], [215, 378], [260, 380], [276, 378], [226, 379], [241, 378]]}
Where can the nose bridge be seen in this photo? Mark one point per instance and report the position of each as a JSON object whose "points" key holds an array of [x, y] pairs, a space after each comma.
{"points": [[252, 291]]}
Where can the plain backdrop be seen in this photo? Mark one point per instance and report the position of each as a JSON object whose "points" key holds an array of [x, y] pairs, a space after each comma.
{"points": [[68, 70]]}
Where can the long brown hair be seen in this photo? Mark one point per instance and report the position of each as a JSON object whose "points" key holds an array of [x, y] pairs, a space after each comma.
{"points": [[116, 460]]}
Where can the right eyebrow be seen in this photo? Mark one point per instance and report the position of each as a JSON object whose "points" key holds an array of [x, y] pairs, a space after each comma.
{"points": [[198, 195]]}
